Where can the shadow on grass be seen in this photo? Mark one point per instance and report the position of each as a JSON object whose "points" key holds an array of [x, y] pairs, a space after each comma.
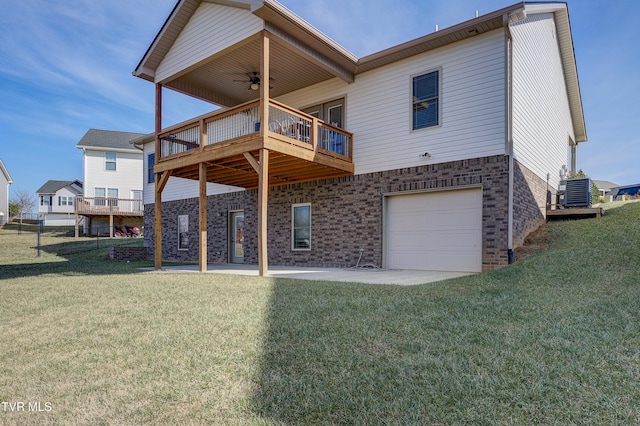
{"points": [[85, 257], [338, 353], [475, 350]]}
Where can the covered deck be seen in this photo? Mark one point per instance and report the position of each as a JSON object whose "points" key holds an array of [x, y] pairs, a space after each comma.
{"points": [[104, 207], [228, 144], [255, 141]]}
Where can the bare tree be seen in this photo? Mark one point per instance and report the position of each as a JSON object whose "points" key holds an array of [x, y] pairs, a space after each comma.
{"points": [[25, 201]]}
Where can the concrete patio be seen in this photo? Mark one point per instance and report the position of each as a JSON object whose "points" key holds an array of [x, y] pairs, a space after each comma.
{"points": [[353, 275]]}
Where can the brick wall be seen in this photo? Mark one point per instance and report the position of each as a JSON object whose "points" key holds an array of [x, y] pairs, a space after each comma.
{"points": [[529, 202], [128, 253], [346, 215]]}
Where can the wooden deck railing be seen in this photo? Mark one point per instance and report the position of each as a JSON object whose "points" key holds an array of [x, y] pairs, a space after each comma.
{"points": [[285, 124], [108, 206]]}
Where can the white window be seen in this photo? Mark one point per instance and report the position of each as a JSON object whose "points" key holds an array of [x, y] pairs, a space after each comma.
{"points": [[426, 100], [112, 194], [65, 201], [100, 196], [183, 232], [110, 161], [301, 227], [45, 200]]}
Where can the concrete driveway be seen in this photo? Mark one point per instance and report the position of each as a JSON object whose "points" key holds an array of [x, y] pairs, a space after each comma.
{"points": [[357, 275]]}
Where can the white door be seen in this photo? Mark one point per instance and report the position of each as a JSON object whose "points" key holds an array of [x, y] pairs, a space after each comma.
{"points": [[440, 231]]}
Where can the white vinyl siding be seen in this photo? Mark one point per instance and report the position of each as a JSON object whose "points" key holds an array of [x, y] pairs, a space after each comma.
{"points": [[210, 30], [472, 121], [59, 219], [178, 188], [542, 123], [128, 176]]}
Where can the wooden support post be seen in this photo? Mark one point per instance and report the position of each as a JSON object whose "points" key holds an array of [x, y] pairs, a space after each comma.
{"points": [[202, 219], [263, 199], [110, 224], [157, 228], [263, 174], [202, 202], [76, 230], [264, 86]]}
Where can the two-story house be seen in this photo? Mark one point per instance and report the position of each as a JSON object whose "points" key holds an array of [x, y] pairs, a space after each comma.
{"points": [[112, 172], [441, 153], [5, 181], [56, 202]]}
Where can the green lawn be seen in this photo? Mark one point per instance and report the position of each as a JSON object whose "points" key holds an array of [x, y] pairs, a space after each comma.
{"points": [[552, 339]]}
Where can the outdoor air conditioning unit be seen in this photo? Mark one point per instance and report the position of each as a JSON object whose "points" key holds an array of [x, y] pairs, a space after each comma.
{"points": [[575, 192]]}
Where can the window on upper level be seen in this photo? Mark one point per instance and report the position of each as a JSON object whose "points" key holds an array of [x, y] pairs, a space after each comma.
{"points": [[110, 161], [426, 100]]}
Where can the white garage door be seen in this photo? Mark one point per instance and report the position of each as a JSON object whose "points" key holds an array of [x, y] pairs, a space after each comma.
{"points": [[440, 231]]}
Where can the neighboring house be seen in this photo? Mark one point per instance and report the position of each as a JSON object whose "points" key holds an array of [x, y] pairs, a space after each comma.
{"points": [[112, 172], [56, 202], [440, 153], [604, 188], [5, 181], [628, 190]]}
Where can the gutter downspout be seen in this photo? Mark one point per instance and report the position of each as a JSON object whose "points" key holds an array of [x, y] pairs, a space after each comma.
{"points": [[508, 51]]}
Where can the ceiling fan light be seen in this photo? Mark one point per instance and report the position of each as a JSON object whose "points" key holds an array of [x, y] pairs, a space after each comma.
{"points": [[255, 86]]}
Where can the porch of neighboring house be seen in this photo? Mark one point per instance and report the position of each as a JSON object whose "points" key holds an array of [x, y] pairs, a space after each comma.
{"points": [[254, 143], [117, 211]]}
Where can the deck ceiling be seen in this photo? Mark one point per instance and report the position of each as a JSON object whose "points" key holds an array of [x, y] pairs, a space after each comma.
{"points": [[237, 171], [215, 81]]}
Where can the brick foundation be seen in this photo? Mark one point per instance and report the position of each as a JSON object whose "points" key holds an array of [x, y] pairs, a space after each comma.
{"points": [[128, 253], [346, 214], [530, 198]]}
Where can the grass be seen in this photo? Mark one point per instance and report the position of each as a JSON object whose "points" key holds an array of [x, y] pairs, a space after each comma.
{"points": [[552, 339]]}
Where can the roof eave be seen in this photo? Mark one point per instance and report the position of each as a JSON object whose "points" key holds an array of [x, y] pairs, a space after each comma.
{"points": [[470, 28]]}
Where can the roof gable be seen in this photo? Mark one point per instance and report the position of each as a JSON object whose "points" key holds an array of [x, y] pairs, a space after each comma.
{"points": [[108, 139], [53, 186]]}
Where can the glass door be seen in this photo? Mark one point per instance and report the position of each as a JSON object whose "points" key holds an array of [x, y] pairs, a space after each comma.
{"points": [[236, 237]]}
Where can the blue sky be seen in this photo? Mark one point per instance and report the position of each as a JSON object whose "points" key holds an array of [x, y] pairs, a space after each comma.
{"points": [[65, 67]]}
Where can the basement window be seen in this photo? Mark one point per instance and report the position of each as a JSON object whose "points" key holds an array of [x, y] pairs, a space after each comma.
{"points": [[183, 232], [301, 226]]}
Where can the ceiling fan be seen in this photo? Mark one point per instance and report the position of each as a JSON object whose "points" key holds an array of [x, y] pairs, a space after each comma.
{"points": [[253, 80]]}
